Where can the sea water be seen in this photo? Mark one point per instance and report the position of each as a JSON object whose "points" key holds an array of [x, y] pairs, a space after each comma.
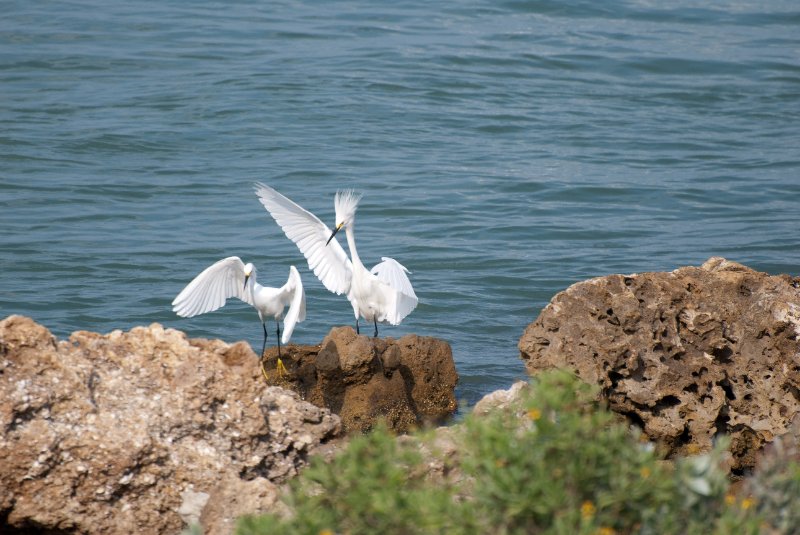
{"points": [[505, 150]]}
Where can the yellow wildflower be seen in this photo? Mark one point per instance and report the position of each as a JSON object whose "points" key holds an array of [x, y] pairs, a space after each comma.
{"points": [[587, 509], [534, 414], [644, 472], [730, 499], [747, 503]]}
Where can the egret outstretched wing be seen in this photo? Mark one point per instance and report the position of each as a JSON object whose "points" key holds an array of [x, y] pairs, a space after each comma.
{"points": [[211, 288], [330, 264], [400, 296], [297, 307]]}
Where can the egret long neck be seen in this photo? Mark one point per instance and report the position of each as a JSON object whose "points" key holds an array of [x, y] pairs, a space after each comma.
{"points": [[252, 287], [257, 298], [351, 243]]}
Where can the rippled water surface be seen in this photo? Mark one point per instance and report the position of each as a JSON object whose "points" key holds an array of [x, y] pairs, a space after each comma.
{"points": [[505, 150]]}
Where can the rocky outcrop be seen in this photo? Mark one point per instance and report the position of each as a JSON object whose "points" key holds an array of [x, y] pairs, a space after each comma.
{"points": [[142, 432], [406, 382], [687, 354], [147, 431]]}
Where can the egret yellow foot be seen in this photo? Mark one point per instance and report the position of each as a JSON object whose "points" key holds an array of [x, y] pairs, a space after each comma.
{"points": [[280, 370]]}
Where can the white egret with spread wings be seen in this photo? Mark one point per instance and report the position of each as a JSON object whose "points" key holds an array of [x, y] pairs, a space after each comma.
{"points": [[230, 277], [381, 294]]}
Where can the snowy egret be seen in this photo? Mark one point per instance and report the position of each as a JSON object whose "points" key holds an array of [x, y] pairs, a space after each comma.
{"points": [[383, 293], [230, 277]]}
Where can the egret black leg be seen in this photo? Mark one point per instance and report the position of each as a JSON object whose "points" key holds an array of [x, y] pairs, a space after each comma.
{"points": [[357, 326], [375, 319], [264, 345], [278, 325]]}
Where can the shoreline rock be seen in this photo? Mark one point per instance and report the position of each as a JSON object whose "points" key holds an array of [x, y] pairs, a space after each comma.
{"points": [[140, 431], [148, 430], [409, 382], [686, 355]]}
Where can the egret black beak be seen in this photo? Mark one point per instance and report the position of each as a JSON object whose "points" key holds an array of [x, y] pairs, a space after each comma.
{"points": [[246, 278], [337, 229]]}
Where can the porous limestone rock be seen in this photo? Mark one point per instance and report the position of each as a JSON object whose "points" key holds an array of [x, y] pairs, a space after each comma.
{"points": [[501, 400], [687, 354], [142, 432], [406, 382]]}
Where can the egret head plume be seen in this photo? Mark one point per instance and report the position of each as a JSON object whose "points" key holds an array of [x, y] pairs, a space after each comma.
{"points": [[346, 202]]}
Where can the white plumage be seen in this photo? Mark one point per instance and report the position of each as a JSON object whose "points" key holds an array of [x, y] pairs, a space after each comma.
{"points": [[382, 294], [230, 277]]}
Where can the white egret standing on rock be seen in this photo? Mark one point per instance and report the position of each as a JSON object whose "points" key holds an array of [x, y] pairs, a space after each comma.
{"points": [[230, 277], [383, 293]]}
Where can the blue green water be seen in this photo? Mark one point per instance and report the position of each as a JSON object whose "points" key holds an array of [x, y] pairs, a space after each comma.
{"points": [[505, 149]]}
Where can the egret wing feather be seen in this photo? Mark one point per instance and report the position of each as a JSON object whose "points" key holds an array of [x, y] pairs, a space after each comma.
{"points": [[328, 262], [297, 306], [401, 299], [212, 287]]}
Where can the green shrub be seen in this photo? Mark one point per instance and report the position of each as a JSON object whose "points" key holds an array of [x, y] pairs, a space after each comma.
{"points": [[559, 463], [774, 489], [569, 469], [373, 486]]}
